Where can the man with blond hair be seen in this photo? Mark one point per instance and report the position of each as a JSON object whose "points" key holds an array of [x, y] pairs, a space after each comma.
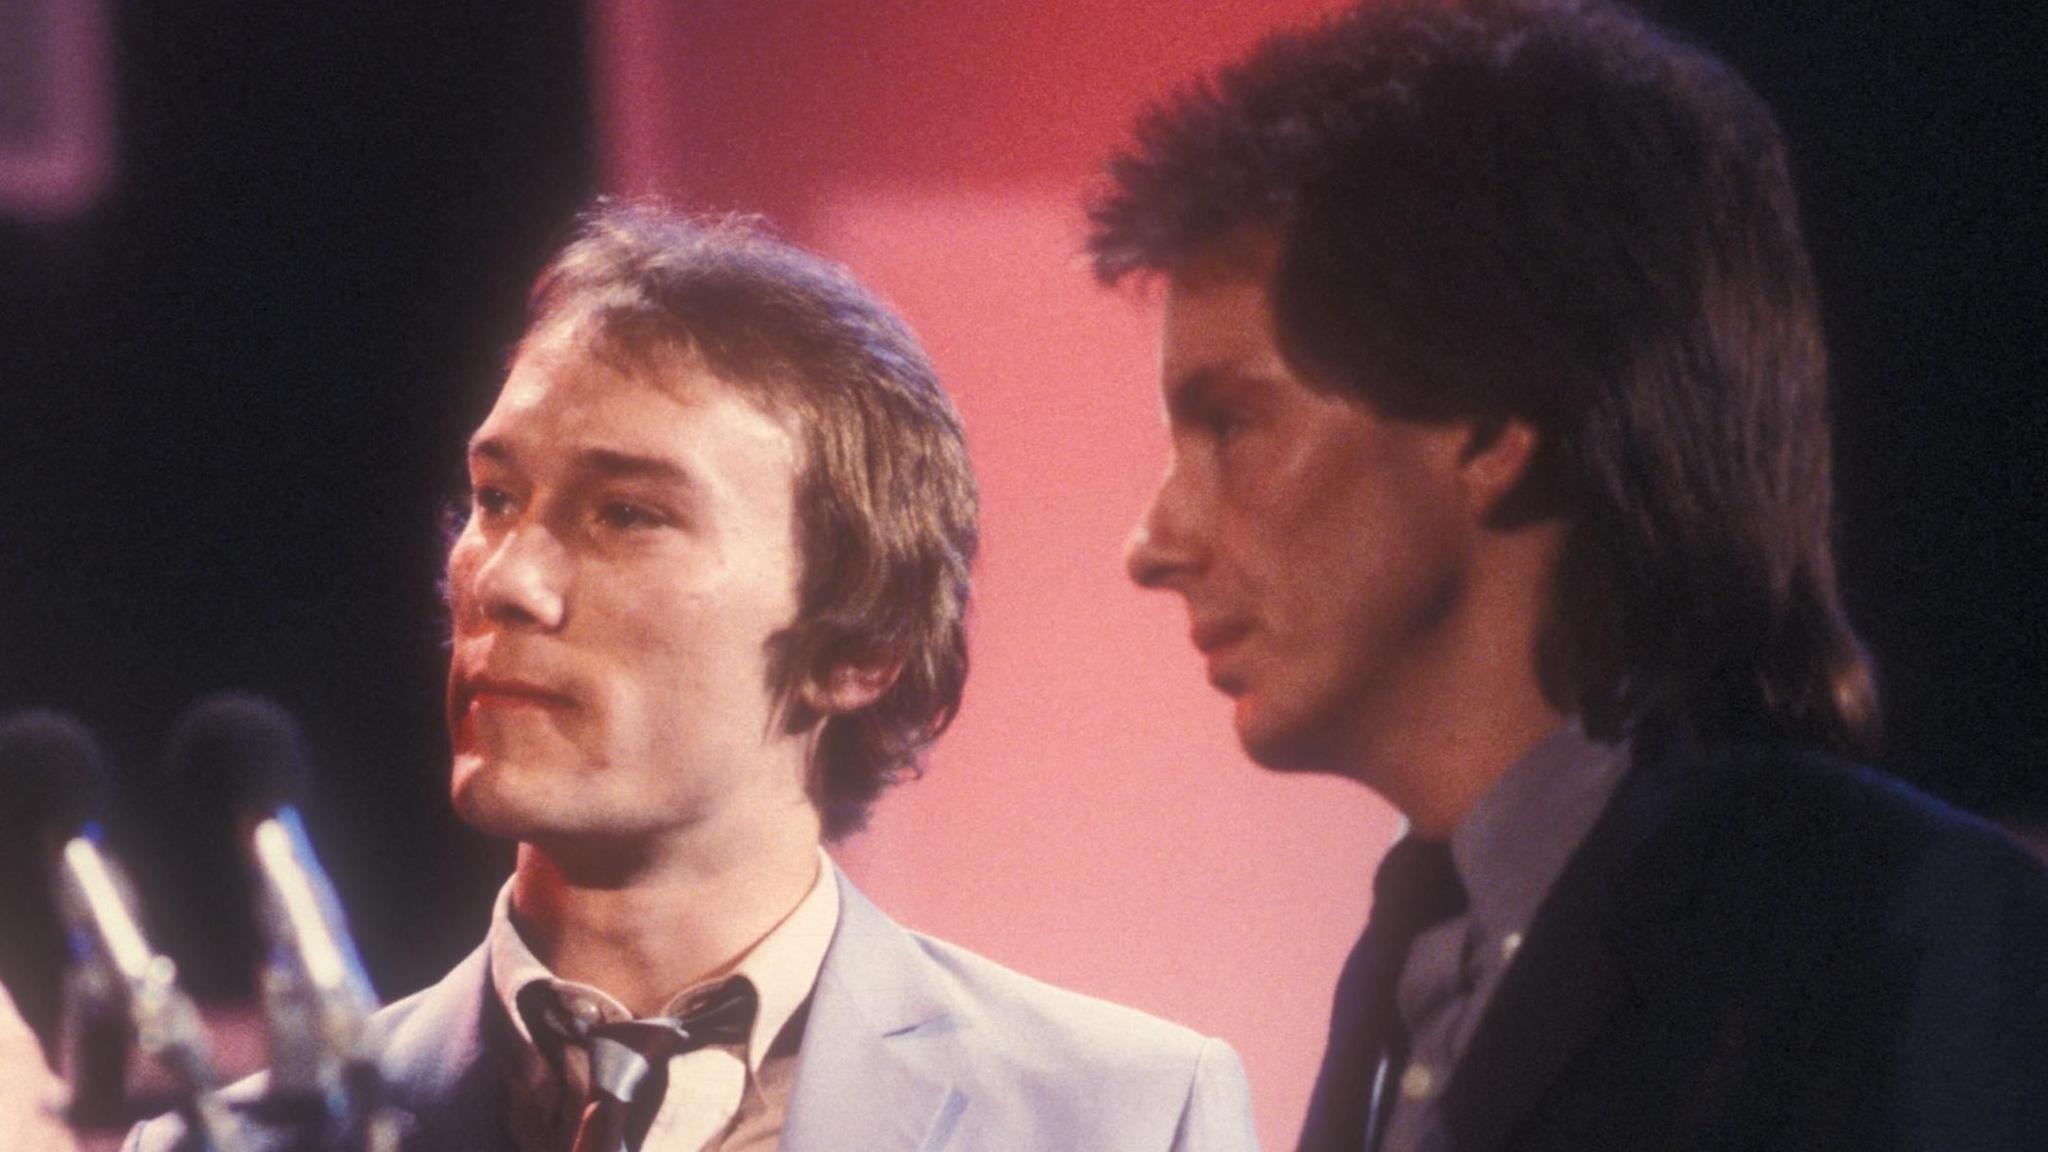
{"points": [[708, 602]]}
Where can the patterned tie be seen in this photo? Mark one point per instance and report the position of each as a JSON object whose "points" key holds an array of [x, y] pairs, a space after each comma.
{"points": [[629, 1060], [1416, 888], [1420, 886]]}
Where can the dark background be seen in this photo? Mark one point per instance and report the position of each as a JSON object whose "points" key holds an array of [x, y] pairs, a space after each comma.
{"points": [[232, 394], [231, 403]]}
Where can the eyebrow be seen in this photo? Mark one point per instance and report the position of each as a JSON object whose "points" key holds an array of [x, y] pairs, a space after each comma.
{"points": [[600, 463]]}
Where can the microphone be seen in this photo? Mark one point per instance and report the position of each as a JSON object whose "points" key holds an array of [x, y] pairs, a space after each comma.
{"points": [[54, 769], [316, 997]]}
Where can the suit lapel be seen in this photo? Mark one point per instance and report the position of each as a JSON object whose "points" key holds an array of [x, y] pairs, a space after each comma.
{"points": [[1584, 952], [440, 1060], [1340, 1107], [874, 1072], [1560, 991]]}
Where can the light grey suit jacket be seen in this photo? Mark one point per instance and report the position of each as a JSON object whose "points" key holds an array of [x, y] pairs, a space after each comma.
{"points": [[912, 1045]]}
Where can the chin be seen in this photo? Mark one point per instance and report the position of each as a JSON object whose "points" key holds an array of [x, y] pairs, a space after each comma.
{"points": [[477, 791], [1280, 743], [545, 802], [506, 800]]}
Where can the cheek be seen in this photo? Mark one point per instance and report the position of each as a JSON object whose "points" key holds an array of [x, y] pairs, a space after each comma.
{"points": [[459, 577], [659, 648], [1285, 535], [687, 662]]}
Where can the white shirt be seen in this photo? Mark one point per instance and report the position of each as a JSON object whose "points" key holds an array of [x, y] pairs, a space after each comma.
{"points": [[720, 1098]]}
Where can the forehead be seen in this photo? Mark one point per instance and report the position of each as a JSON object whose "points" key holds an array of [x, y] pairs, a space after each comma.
{"points": [[1218, 316], [567, 396]]}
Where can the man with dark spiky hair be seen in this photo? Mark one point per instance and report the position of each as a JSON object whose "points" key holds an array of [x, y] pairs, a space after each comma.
{"points": [[1500, 483], [708, 602]]}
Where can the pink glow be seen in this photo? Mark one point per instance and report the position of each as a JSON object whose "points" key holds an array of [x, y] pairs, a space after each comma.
{"points": [[1090, 819], [67, 169]]}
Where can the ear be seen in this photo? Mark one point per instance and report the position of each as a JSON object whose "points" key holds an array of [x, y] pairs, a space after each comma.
{"points": [[851, 687], [1495, 464]]}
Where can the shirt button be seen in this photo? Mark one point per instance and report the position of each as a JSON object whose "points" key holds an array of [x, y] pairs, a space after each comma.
{"points": [[586, 1011], [1510, 944], [1417, 1082]]}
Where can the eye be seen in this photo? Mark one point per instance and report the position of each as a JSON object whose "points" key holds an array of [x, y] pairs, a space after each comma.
{"points": [[490, 502], [1222, 424], [626, 516]]}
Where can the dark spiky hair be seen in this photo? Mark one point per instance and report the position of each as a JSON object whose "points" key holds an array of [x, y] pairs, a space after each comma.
{"points": [[1556, 211]]}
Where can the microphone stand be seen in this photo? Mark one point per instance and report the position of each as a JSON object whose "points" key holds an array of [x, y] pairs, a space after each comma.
{"points": [[119, 963], [317, 999]]}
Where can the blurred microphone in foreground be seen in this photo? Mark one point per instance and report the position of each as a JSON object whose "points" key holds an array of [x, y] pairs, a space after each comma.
{"points": [[324, 1082], [53, 769]]}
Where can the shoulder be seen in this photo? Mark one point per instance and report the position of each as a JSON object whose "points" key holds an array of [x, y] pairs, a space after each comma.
{"points": [[1043, 1066], [1812, 817], [1922, 932], [899, 977], [1847, 826], [1815, 947], [442, 1023], [1102, 1069], [1845, 889], [1953, 904], [1871, 894], [1005, 1002]]}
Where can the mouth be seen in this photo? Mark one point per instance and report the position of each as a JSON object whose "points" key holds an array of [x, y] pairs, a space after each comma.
{"points": [[1212, 636], [491, 692], [1215, 639]]}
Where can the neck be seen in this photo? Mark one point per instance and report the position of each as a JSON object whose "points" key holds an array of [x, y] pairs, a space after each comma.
{"points": [[1474, 705], [644, 923], [1439, 775]]}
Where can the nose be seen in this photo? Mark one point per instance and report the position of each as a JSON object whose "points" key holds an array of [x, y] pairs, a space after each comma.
{"points": [[521, 579], [1161, 548]]}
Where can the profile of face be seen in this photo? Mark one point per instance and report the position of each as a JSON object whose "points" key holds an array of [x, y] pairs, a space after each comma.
{"points": [[1320, 546], [630, 551]]}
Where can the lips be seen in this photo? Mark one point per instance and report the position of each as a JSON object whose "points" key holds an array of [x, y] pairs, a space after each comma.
{"points": [[1209, 636], [470, 693], [1214, 639], [517, 694], [472, 699], [511, 692]]}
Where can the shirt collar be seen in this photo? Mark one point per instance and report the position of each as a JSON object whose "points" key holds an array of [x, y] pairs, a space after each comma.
{"points": [[782, 966], [1514, 844]]}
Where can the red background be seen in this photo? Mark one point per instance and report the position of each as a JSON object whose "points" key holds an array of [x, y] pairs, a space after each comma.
{"points": [[1090, 819]]}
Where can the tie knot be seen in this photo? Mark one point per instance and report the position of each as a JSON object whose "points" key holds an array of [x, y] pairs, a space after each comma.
{"points": [[628, 1059], [624, 1052], [1417, 886], [723, 1014]]}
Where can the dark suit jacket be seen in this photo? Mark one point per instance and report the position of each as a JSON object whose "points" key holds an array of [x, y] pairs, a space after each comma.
{"points": [[1759, 947]]}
